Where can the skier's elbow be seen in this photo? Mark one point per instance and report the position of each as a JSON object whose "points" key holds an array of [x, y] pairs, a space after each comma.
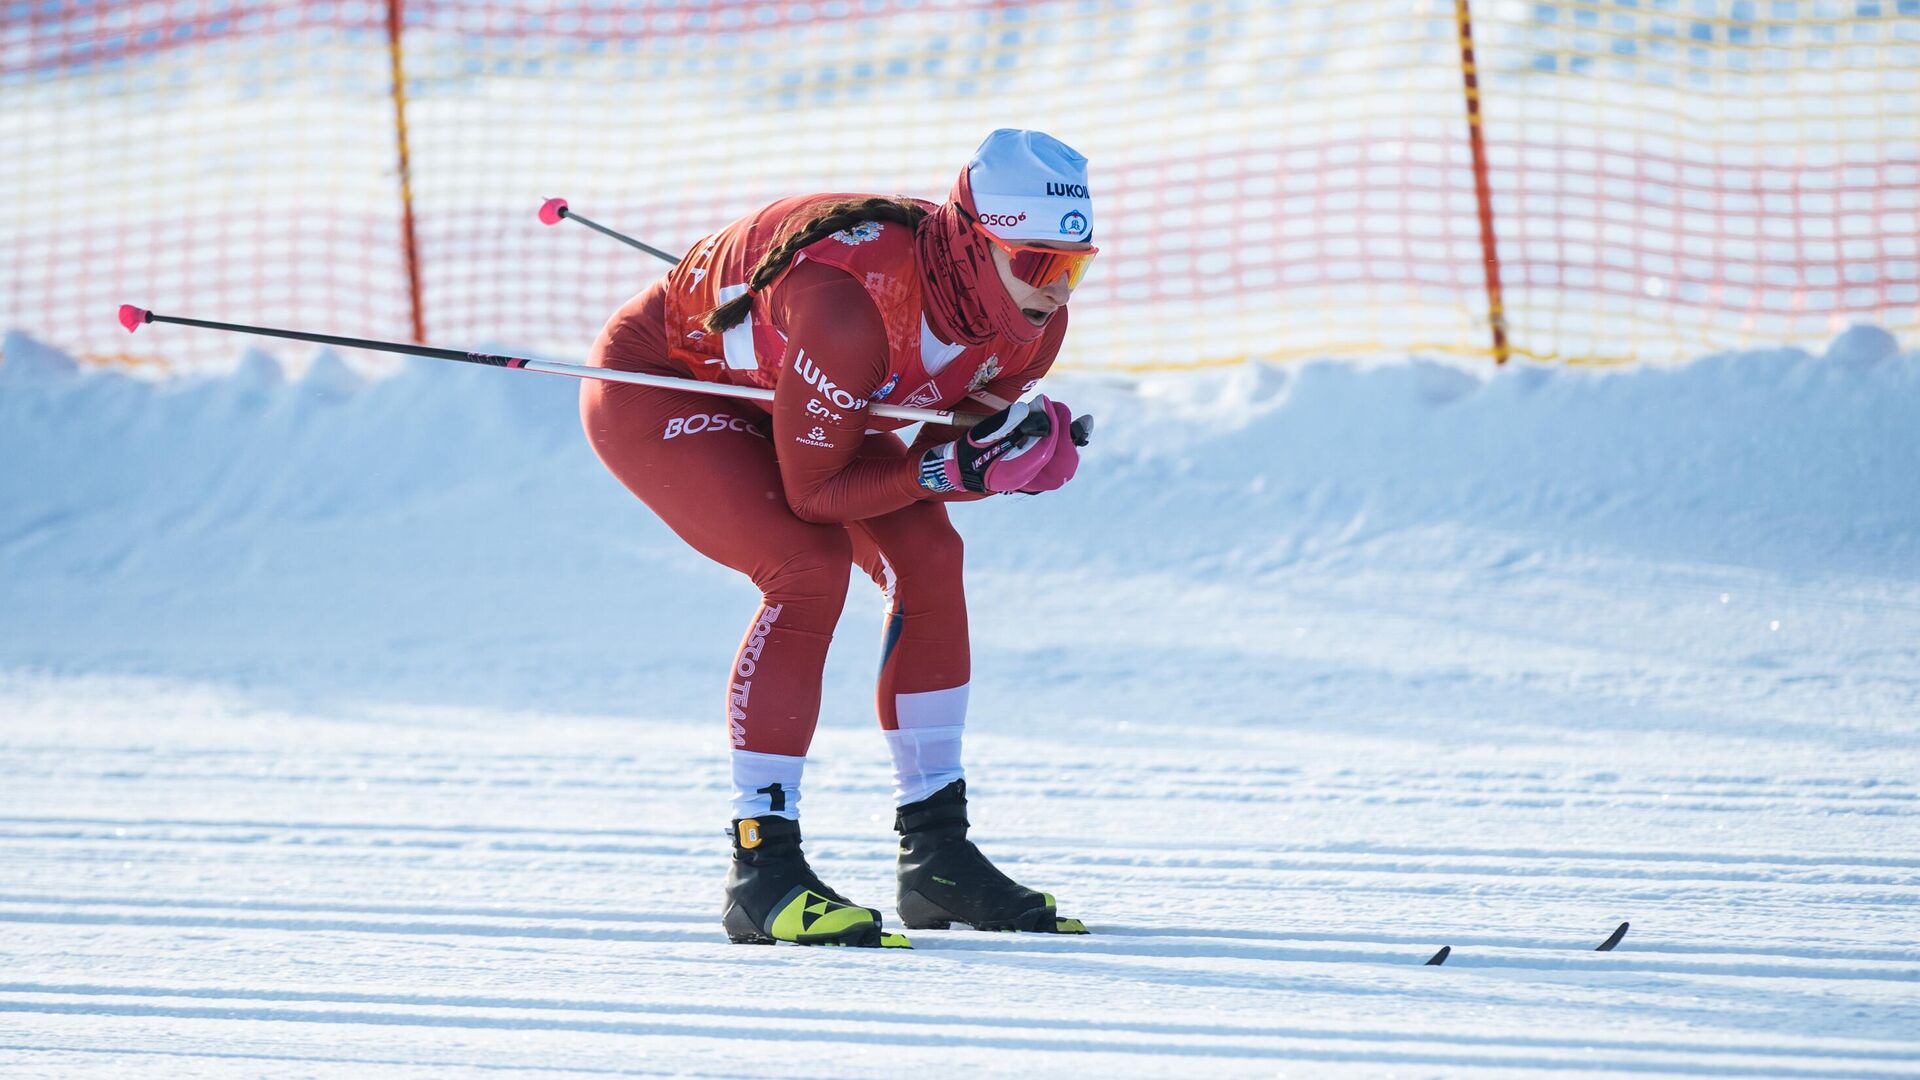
{"points": [[810, 508]]}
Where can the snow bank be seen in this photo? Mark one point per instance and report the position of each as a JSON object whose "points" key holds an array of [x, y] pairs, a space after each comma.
{"points": [[449, 523], [1779, 460], [357, 725]]}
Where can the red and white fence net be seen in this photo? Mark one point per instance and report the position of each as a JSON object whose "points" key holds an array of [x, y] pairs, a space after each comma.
{"points": [[1660, 178]]}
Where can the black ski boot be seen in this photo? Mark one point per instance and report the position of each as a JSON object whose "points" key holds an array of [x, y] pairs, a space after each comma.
{"points": [[773, 895], [944, 879]]}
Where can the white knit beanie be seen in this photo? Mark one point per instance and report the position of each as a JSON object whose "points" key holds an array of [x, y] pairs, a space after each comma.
{"points": [[1028, 185]]}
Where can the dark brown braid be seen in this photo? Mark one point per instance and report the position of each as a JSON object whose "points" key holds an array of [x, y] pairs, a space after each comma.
{"points": [[832, 218]]}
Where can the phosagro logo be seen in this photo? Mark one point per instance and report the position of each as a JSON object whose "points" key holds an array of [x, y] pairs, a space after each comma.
{"points": [[816, 437], [1003, 221], [1073, 224], [817, 379]]}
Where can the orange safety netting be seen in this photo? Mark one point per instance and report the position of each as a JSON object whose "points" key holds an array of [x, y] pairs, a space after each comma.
{"points": [[1664, 178]]}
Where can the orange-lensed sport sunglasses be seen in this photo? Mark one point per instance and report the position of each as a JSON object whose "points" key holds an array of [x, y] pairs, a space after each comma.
{"points": [[1040, 267]]}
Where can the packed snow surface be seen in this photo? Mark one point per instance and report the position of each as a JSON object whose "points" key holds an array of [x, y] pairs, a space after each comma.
{"points": [[359, 727]]}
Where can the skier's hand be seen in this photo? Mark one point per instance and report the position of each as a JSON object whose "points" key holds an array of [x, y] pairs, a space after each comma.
{"points": [[1007, 451], [1068, 434]]}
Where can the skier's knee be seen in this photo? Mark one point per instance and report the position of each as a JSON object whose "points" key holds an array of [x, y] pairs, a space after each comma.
{"points": [[816, 572], [933, 564]]}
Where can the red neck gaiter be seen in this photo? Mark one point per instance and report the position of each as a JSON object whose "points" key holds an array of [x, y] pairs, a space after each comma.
{"points": [[961, 293]]}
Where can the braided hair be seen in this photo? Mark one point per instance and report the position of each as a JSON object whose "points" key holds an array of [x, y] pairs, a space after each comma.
{"points": [[832, 218]]}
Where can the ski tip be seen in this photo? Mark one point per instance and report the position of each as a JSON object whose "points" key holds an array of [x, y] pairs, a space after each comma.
{"points": [[1440, 957], [1613, 938], [889, 940], [131, 317], [552, 211]]}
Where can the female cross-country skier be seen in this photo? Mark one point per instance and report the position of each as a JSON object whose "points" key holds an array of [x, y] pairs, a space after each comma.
{"points": [[837, 302]]}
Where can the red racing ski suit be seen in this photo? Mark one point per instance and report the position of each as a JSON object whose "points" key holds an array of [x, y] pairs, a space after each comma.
{"points": [[793, 495]]}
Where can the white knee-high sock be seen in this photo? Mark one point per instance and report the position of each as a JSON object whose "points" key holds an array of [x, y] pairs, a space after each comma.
{"points": [[926, 747], [766, 785]]}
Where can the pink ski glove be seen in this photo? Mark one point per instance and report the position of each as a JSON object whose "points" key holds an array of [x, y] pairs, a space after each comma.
{"points": [[1028, 446], [1067, 434], [1002, 453]]}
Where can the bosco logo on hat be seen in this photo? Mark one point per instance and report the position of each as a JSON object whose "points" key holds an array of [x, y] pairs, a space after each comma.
{"points": [[1028, 185]]}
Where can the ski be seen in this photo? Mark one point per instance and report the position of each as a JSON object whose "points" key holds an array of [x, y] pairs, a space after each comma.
{"points": [[1613, 939]]}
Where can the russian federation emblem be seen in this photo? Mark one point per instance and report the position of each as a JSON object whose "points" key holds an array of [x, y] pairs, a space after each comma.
{"points": [[987, 373], [859, 234]]}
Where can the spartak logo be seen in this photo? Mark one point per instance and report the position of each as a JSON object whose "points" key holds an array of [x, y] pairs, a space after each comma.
{"points": [[926, 395]]}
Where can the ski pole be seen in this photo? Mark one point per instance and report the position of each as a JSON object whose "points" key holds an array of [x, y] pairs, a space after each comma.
{"points": [[553, 210], [133, 318]]}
